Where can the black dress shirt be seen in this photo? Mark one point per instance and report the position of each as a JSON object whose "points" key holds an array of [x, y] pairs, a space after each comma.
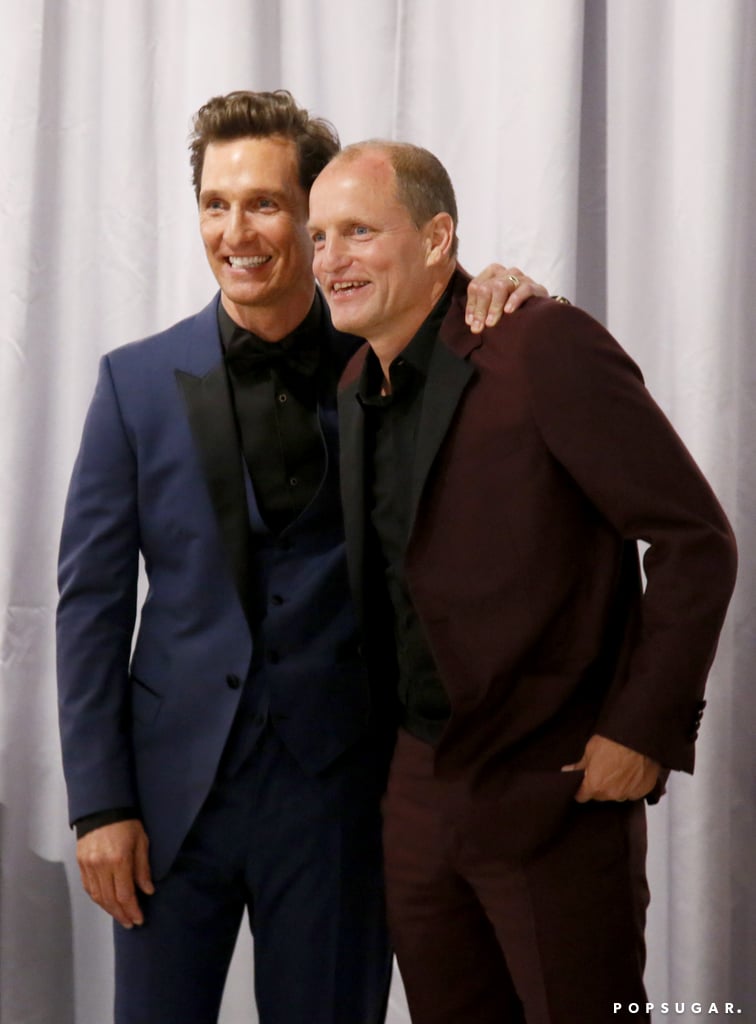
{"points": [[275, 392], [391, 423]]}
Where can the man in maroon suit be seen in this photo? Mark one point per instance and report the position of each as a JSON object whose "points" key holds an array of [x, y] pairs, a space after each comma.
{"points": [[494, 490]]}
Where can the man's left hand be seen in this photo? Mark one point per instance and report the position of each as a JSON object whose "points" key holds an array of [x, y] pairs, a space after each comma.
{"points": [[498, 290], [613, 772]]}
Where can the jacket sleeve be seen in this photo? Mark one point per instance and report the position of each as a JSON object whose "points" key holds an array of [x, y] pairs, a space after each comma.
{"points": [[97, 578], [601, 424]]}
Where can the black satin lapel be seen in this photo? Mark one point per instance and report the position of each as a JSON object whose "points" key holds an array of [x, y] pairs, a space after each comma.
{"points": [[352, 470], [208, 404], [448, 376]]}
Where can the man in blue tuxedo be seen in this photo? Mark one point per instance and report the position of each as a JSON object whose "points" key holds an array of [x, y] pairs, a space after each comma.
{"points": [[234, 755]]}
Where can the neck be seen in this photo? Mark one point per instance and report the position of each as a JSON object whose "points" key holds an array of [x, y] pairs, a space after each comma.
{"points": [[387, 347], [274, 322]]}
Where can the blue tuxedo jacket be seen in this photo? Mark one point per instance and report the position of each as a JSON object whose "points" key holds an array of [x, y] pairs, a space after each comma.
{"points": [[160, 474]]}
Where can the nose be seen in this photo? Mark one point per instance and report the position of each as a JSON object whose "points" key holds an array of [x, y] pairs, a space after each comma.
{"points": [[236, 228], [331, 254]]}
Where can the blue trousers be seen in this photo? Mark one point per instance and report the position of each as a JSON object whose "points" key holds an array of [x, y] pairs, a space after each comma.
{"points": [[302, 854]]}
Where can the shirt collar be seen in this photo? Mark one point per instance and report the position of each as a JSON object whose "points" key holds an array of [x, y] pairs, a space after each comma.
{"points": [[414, 357], [312, 324], [298, 352]]}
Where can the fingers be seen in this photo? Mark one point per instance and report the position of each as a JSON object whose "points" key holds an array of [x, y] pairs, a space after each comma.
{"points": [[142, 872], [485, 303], [113, 890], [579, 766], [495, 291], [615, 772], [593, 786], [524, 289], [125, 906], [584, 794], [108, 859]]}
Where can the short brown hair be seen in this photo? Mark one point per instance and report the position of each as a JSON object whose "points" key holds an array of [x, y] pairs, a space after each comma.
{"points": [[423, 184], [257, 115]]}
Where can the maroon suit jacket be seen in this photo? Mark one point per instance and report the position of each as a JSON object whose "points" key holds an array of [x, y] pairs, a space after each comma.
{"points": [[541, 460]]}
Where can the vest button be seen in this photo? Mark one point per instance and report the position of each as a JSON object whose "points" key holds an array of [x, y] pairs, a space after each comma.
{"points": [[234, 682]]}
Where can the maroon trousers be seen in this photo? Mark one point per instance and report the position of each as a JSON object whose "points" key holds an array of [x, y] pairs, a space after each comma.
{"points": [[555, 939]]}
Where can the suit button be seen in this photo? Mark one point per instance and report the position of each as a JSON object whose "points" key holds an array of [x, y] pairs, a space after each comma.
{"points": [[233, 681]]}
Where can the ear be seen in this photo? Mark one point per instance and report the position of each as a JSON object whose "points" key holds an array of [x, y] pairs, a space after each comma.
{"points": [[439, 239]]}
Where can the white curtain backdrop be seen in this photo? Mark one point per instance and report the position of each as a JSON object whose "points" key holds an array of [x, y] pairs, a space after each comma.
{"points": [[608, 148]]}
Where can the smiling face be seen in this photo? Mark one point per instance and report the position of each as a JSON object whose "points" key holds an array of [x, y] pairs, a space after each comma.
{"points": [[380, 273], [253, 221]]}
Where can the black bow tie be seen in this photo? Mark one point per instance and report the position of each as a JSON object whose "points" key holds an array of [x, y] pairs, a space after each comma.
{"points": [[298, 353]]}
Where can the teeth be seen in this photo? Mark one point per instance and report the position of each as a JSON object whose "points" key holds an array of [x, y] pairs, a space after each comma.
{"points": [[342, 286], [247, 261]]}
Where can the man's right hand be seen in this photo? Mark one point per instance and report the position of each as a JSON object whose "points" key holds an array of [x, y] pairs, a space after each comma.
{"points": [[113, 861]]}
